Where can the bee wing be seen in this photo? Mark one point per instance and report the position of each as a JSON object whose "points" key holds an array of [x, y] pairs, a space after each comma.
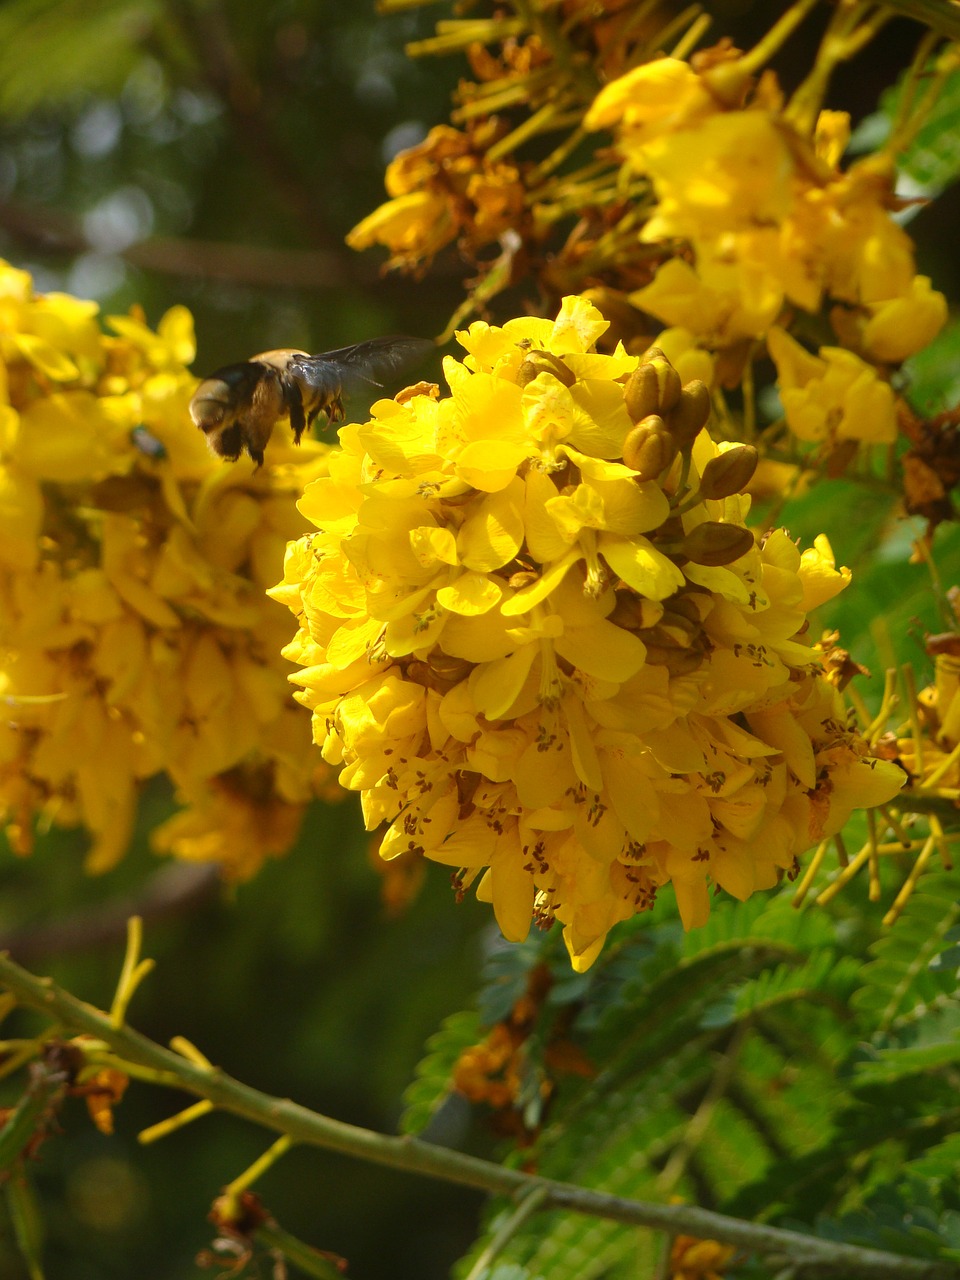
{"points": [[346, 367]]}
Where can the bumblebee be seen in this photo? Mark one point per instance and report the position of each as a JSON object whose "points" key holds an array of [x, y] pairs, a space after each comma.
{"points": [[238, 406]]}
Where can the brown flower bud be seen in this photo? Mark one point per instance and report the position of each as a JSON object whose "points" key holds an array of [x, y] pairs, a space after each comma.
{"points": [[691, 413], [653, 387], [672, 629], [642, 392], [679, 662], [729, 472], [634, 612], [649, 448], [668, 380], [538, 362], [692, 605], [713, 543]]}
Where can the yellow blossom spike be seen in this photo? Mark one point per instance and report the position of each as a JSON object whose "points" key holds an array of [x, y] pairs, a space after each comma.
{"points": [[560, 711], [126, 544]]}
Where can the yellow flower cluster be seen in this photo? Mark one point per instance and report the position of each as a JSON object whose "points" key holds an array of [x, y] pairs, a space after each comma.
{"points": [[931, 752], [544, 647], [445, 188], [135, 636], [772, 224]]}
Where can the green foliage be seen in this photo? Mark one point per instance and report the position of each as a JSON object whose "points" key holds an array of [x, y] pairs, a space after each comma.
{"points": [[933, 374], [432, 1083], [53, 50], [26, 1221], [932, 158], [755, 1066], [899, 983]]}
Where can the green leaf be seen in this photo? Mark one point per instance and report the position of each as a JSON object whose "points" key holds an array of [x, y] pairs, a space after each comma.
{"points": [[432, 1084], [823, 976], [933, 374], [932, 156], [899, 982], [896, 1063], [26, 1221], [939, 1164]]}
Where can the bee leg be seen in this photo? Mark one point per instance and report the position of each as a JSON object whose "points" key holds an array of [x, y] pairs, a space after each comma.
{"points": [[294, 401], [229, 442]]}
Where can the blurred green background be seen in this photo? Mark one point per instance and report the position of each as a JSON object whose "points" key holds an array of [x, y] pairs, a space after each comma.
{"points": [[215, 154]]}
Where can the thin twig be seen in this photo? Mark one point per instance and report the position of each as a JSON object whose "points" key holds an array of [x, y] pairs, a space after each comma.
{"points": [[812, 1255]]}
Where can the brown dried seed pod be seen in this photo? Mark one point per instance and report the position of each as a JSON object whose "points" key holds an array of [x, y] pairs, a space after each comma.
{"points": [[713, 543], [649, 448], [538, 362], [729, 472], [690, 416]]}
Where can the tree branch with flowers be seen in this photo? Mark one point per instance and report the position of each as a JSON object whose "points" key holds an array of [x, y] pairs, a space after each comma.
{"points": [[550, 628]]}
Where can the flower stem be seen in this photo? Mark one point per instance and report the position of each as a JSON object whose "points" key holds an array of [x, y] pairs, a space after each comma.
{"points": [[311, 1128]]}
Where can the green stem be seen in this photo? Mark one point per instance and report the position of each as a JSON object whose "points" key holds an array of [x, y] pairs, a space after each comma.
{"points": [[941, 15], [313, 1263], [526, 1207], [309, 1127], [44, 1091]]}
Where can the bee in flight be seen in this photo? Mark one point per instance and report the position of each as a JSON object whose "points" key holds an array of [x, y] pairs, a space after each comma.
{"points": [[238, 406]]}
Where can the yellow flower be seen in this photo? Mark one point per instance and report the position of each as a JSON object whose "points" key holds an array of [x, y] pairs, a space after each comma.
{"points": [[901, 326], [832, 396], [766, 213], [720, 302], [659, 96], [539, 639], [733, 172], [443, 188], [237, 821], [411, 226], [135, 637], [693, 1259]]}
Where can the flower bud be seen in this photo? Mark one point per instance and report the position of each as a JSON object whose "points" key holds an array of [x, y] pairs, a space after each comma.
{"points": [[691, 413], [649, 448], [672, 629], [679, 662], [729, 472], [713, 543], [653, 387], [692, 605], [668, 380], [538, 362], [642, 392], [635, 612]]}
